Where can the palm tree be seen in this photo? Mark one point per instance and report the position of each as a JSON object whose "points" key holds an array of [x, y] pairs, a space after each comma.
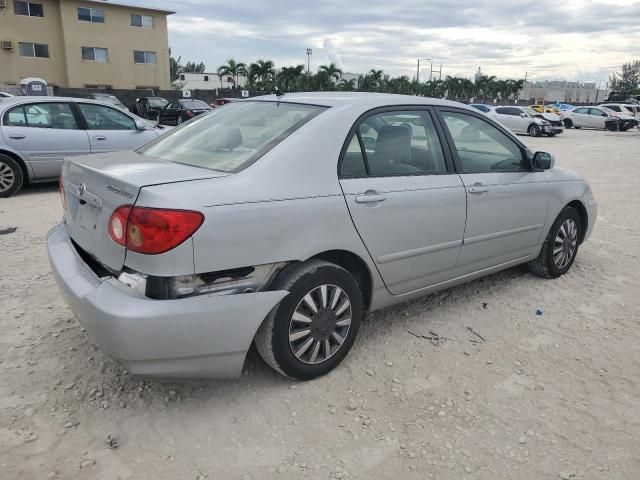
{"points": [[262, 71], [232, 69], [332, 71], [291, 78], [347, 85]]}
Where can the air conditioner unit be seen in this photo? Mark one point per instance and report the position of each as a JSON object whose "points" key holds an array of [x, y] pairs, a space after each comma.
{"points": [[6, 44], [3, 3]]}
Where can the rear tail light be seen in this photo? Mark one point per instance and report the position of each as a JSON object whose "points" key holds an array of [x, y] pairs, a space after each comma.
{"points": [[62, 193], [152, 230], [189, 114]]}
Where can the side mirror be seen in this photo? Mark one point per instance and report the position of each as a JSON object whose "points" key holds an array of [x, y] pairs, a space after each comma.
{"points": [[543, 161], [140, 124]]}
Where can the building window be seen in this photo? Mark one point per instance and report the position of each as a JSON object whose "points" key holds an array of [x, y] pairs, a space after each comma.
{"points": [[142, 21], [93, 15], [206, 78], [28, 9], [147, 58], [94, 54], [38, 50]]}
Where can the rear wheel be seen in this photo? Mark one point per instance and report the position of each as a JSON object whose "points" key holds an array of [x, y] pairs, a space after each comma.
{"points": [[179, 120], [560, 247], [11, 178], [311, 331], [534, 130]]}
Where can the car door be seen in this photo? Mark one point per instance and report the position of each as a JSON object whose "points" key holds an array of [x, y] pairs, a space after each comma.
{"points": [[110, 129], [511, 117], [170, 113], [406, 202], [45, 133], [506, 201], [580, 117], [597, 118]]}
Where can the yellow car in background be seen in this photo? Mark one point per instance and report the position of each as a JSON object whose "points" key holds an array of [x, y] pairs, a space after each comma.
{"points": [[545, 109]]}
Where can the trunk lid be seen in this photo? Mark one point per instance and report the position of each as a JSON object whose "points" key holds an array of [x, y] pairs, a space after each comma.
{"points": [[96, 185]]}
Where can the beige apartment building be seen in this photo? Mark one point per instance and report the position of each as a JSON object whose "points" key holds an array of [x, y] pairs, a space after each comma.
{"points": [[84, 44]]}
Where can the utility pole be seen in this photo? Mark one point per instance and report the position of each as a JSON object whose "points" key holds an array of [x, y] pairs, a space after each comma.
{"points": [[309, 53]]}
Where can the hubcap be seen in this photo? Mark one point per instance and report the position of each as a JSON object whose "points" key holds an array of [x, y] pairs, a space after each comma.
{"points": [[7, 178], [565, 243], [320, 324]]}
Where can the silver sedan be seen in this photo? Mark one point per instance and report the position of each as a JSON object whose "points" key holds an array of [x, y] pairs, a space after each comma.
{"points": [[283, 219], [37, 133]]}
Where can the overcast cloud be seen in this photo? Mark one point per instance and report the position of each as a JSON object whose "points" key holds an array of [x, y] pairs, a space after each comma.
{"points": [[565, 39]]}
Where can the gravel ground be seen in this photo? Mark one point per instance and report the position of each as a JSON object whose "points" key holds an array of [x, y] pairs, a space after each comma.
{"points": [[535, 398]]}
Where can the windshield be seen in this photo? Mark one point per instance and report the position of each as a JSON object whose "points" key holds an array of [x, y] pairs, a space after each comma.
{"points": [[608, 110], [233, 137], [531, 112], [157, 102], [194, 104]]}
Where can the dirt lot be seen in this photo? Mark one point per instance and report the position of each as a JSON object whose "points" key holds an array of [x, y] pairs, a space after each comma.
{"points": [[541, 398]]}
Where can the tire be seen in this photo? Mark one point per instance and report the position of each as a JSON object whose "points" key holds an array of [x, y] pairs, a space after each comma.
{"points": [[179, 120], [534, 130], [577, 128], [546, 265], [568, 123], [307, 280], [11, 177]]}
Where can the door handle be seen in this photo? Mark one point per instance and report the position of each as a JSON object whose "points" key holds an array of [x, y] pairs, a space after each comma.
{"points": [[100, 137], [370, 196], [17, 136], [478, 188]]}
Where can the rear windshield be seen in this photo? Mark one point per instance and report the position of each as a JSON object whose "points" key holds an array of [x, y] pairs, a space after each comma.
{"points": [[157, 102], [194, 104], [230, 138]]}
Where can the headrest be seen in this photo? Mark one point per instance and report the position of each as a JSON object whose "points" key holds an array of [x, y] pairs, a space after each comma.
{"points": [[393, 141], [227, 138]]}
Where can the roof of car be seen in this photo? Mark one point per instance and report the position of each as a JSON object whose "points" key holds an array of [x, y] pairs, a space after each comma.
{"points": [[371, 100], [9, 101]]}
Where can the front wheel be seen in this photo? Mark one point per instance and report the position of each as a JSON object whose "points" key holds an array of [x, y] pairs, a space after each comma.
{"points": [[560, 248], [312, 330], [535, 130]]}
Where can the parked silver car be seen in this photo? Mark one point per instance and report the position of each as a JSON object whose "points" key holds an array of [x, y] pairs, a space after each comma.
{"points": [[598, 117], [527, 121], [283, 219], [37, 133]]}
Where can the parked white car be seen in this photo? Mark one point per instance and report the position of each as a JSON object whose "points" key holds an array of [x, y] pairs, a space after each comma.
{"points": [[623, 108], [527, 121], [37, 133], [598, 117]]}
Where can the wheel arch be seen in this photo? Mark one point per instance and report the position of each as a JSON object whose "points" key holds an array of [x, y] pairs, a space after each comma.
{"points": [[23, 166], [584, 217], [356, 266]]}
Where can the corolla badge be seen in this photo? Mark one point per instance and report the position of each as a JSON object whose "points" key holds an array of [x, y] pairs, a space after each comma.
{"points": [[119, 191]]}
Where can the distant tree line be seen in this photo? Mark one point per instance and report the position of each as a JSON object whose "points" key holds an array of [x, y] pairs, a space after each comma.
{"points": [[264, 76]]}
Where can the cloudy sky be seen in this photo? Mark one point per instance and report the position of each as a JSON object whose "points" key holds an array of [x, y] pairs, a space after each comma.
{"points": [[550, 39]]}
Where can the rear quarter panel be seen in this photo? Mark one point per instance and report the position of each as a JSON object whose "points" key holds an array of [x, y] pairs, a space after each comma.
{"points": [[286, 206]]}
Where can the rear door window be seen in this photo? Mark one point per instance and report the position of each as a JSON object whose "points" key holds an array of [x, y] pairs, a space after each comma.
{"points": [[42, 115]]}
